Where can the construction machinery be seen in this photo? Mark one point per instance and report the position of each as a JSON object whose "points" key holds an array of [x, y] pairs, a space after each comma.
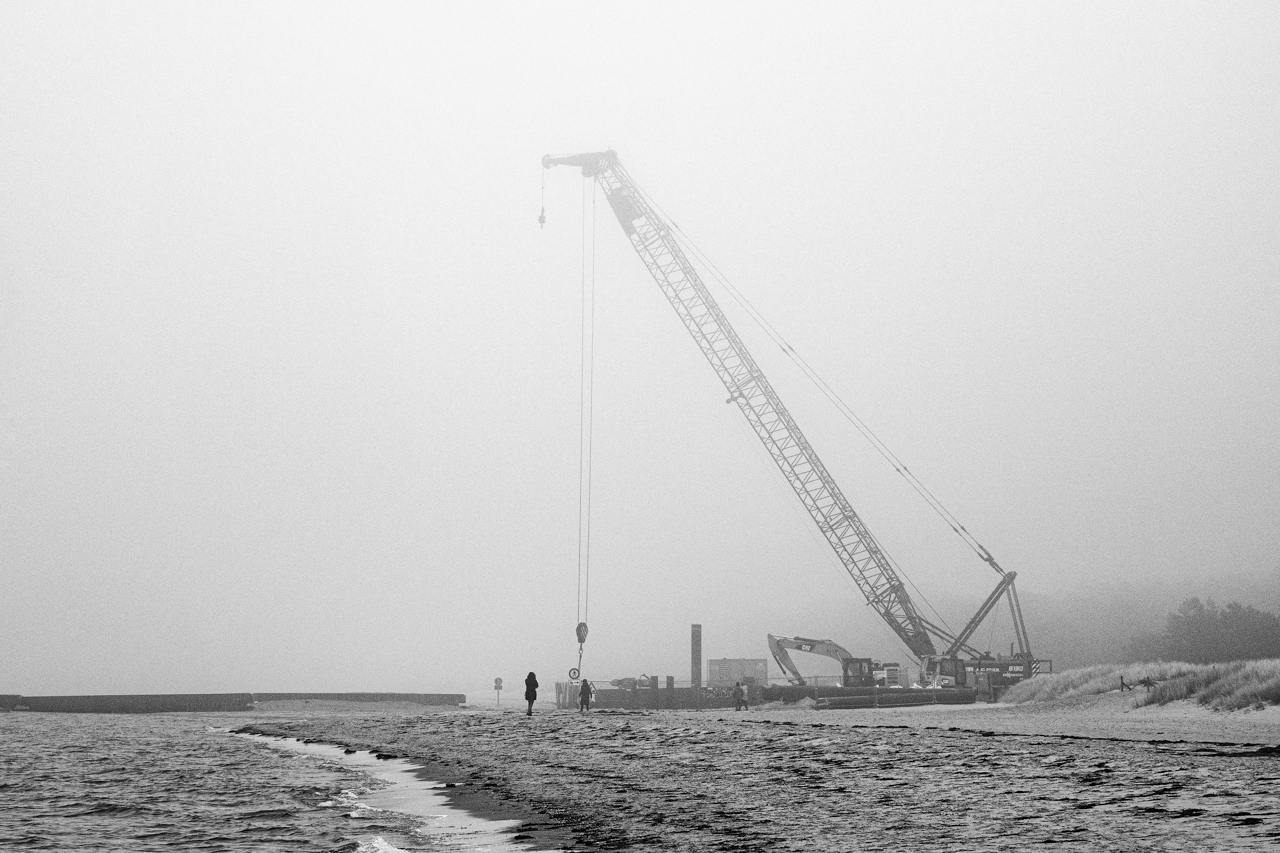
{"points": [[659, 248], [855, 672]]}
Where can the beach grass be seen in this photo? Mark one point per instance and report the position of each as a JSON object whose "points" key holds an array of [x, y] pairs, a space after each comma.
{"points": [[1222, 687], [1091, 680]]}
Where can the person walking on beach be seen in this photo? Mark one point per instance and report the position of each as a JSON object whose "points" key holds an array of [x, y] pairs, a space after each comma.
{"points": [[530, 692], [584, 696], [739, 697]]}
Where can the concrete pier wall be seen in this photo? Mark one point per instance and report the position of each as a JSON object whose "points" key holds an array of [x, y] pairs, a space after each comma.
{"points": [[139, 704], [155, 703], [416, 698]]}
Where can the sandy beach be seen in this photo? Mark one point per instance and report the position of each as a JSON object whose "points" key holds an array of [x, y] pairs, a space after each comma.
{"points": [[1108, 715], [1090, 773]]}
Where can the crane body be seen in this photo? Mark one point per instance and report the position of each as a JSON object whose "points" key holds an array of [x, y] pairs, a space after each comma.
{"points": [[853, 543]]}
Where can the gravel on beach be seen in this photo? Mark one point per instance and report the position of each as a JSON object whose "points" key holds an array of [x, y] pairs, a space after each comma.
{"points": [[1091, 774]]}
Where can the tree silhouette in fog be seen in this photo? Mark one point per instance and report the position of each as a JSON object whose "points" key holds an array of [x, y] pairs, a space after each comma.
{"points": [[1202, 632]]}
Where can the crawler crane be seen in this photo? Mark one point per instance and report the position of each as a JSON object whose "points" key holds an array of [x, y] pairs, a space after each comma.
{"points": [[654, 240]]}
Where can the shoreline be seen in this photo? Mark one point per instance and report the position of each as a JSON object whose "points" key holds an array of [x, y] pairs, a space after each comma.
{"points": [[417, 790], [453, 782], [614, 779]]}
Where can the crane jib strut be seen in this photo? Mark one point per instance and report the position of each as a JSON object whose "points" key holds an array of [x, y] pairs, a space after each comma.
{"points": [[855, 546]]}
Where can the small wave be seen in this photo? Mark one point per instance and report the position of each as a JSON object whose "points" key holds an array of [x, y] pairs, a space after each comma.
{"points": [[261, 814], [344, 799], [378, 845], [114, 809]]}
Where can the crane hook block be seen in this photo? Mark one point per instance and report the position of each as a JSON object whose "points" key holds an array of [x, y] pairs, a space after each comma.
{"points": [[582, 632]]}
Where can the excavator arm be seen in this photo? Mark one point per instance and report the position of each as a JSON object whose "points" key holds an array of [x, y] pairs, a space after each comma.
{"points": [[854, 669]]}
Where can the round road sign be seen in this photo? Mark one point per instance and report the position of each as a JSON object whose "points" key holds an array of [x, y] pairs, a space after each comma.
{"points": [[497, 684]]}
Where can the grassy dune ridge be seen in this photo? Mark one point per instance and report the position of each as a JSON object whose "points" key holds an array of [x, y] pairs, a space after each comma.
{"points": [[1221, 686]]}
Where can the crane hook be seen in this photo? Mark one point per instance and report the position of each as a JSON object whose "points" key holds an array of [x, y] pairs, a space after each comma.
{"points": [[581, 632]]}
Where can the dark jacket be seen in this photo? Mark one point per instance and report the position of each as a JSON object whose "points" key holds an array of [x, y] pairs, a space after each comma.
{"points": [[530, 688]]}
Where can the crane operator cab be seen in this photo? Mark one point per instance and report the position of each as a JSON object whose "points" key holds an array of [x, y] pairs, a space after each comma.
{"points": [[945, 672], [857, 672]]}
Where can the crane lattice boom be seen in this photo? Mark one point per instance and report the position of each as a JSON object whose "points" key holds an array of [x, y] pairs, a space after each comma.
{"points": [[848, 536]]}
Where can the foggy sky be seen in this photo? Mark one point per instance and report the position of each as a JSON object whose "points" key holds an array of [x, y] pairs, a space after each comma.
{"points": [[289, 373]]}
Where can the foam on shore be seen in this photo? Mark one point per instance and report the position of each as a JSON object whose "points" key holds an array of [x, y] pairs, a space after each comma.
{"points": [[407, 791]]}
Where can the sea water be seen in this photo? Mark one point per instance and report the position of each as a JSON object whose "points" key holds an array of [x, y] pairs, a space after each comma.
{"points": [[167, 782]]}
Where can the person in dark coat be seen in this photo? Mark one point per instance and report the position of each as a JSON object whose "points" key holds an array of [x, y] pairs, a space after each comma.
{"points": [[739, 697], [584, 696], [530, 692]]}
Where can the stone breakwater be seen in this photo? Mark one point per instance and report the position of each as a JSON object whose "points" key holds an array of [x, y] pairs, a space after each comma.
{"points": [[797, 781], [154, 703]]}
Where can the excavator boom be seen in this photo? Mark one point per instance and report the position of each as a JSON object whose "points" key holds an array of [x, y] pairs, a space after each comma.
{"points": [[856, 671]]}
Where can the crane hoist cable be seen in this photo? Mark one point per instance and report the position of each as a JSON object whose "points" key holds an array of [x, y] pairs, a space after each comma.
{"points": [[768, 328], [827, 391], [780, 481], [586, 416], [542, 215], [991, 631]]}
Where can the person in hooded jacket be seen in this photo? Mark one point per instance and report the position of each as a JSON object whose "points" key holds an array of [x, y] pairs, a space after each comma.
{"points": [[530, 692]]}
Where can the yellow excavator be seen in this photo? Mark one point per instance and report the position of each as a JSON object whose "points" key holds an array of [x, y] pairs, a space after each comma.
{"points": [[856, 672]]}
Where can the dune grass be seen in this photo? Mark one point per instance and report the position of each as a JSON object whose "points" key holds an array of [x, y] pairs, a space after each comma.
{"points": [[1223, 687], [1091, 680]]}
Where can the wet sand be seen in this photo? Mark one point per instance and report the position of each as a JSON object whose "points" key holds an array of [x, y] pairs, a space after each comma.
{"points": [[1091, 774], [411, 791]]}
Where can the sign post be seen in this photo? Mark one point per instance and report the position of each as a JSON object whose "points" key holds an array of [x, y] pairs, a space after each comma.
{"points": [[497, 689]]}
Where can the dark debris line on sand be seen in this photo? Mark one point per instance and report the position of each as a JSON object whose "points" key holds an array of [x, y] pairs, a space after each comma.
{"points": [[707, 781]]}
